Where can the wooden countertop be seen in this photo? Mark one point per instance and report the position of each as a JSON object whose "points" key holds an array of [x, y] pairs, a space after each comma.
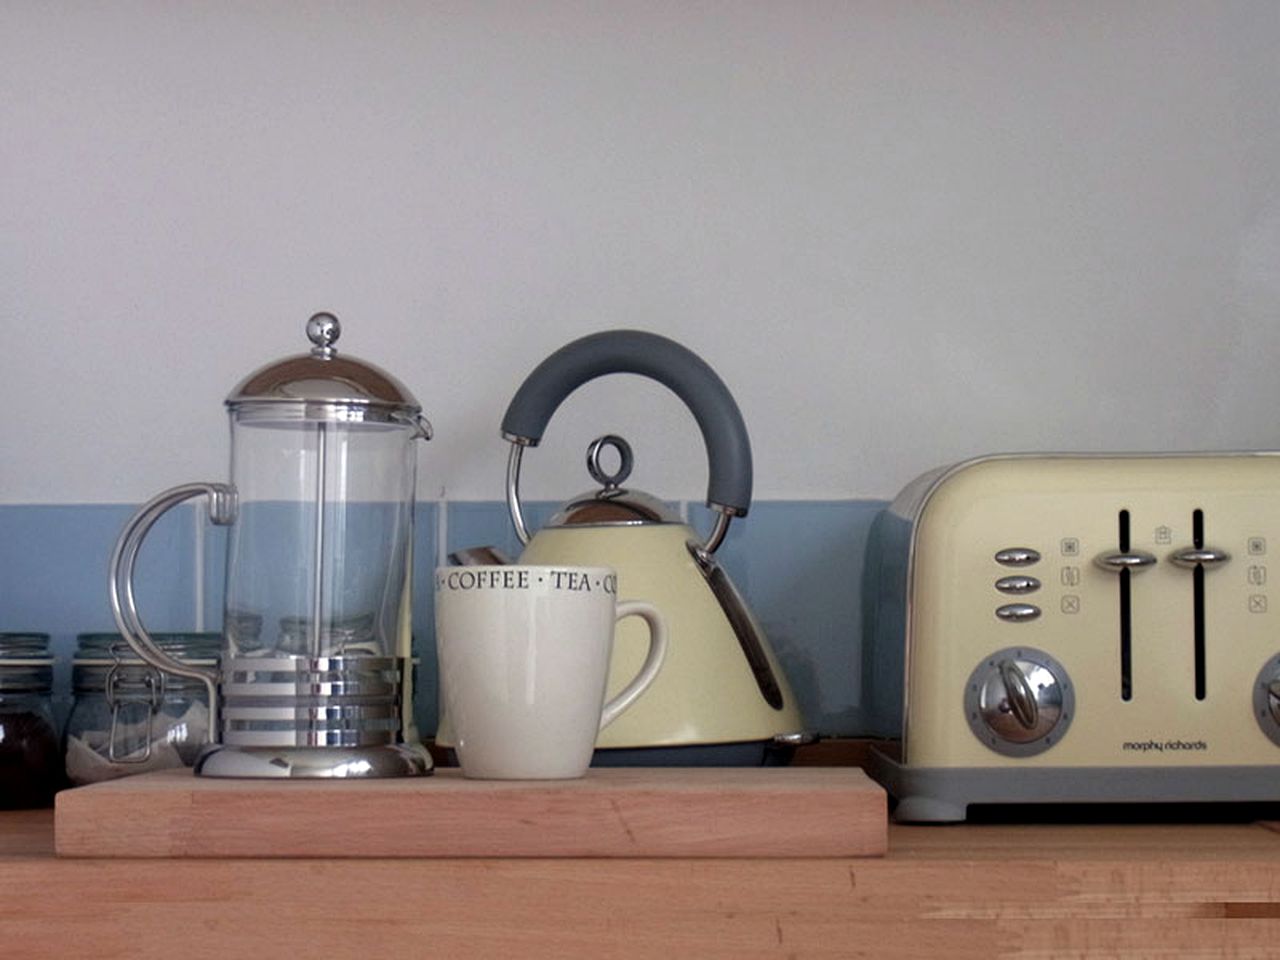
{"points": [[1024, 890]]}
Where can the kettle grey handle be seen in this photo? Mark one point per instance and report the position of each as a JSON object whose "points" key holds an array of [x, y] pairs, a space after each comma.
{"points": [[661, 359], [222, 511]]}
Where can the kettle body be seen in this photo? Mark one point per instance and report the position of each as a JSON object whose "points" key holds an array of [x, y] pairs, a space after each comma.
{"points": [[721, 683], [711, 689]]}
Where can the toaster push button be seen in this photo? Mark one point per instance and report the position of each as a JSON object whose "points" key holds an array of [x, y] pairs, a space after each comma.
{"points": [[1017, 556], [1017, 612], [1019, 583]]}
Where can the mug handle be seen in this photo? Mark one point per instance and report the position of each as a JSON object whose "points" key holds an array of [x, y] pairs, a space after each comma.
{"points": [[652, 663]]}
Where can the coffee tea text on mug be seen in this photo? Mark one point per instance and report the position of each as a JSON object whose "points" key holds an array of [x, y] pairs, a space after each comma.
{"points": [[503, 578], [517, 578]]}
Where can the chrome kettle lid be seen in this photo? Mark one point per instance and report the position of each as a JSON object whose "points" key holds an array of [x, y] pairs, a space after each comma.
{"points": [[612, 504], [323, 377]]}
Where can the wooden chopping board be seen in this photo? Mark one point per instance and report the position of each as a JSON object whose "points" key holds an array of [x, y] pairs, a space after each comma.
{"points": [[611, 812]]}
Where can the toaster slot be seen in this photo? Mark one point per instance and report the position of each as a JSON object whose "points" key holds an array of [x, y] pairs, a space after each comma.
{"points": [[1197, 601], [1199, 559], [1124, 562], [1126, 615]]}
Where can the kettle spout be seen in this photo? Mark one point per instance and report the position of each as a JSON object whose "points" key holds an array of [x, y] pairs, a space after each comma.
{"points": [[479, 556]]}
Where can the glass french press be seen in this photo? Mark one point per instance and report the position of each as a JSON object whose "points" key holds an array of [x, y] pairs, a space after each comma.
{"points": [[315, 673]]}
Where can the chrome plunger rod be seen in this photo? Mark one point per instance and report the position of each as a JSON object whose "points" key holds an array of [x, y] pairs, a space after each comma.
{"points": [[317, 592]]}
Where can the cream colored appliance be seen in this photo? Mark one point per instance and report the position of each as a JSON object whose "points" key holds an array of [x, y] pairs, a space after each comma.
{"points": [[1080, 629], [721, 683]]}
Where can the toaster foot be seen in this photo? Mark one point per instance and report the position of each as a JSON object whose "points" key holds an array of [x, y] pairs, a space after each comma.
{"points": [[944, 794]]}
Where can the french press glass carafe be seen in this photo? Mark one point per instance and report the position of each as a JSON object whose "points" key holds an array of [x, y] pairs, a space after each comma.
{"points": [[315, 673]]}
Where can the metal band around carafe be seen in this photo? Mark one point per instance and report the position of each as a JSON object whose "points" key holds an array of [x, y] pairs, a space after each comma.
{"points": [[312, 701], [124, 558]]}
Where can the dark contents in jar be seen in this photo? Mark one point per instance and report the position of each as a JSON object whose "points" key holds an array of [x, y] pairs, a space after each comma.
{"points": [[30, 760]]}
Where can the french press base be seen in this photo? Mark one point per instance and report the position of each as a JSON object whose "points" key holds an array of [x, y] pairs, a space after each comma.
{"points": [[312, 717], [397, 760]]}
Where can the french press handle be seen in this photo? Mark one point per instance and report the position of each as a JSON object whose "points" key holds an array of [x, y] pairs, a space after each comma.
{"points": [[681, 370], [124, 558]]}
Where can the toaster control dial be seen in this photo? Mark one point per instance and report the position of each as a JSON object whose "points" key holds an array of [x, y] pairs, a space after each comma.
{"points": [[1266, 700], [1019, 701]]}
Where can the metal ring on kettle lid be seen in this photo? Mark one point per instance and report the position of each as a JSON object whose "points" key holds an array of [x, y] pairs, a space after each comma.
{"points": [[610, 481]]}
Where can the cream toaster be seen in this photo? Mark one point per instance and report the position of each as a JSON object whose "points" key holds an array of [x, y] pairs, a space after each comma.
{"points": [[1079, 628]]}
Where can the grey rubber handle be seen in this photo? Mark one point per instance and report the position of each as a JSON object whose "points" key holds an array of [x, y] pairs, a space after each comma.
{"points": [[661, 359]]}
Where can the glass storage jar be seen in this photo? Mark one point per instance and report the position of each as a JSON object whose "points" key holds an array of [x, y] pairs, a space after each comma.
{"points": [[129, 717], [30, 759]]}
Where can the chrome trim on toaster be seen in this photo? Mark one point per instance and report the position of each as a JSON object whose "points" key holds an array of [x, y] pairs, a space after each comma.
{"points": [[1134, 560], [1191, 557], [1017, 557], [1018, 584], [1017, 612]]}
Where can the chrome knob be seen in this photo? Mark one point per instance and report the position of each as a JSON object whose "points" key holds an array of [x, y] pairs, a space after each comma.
{"points": [[323, 330], [1017, 612], [1266, 699], [1018, 584], [1019, 696], [1135, 560], [1019, 702], [1017, 557], [1192, 557]]}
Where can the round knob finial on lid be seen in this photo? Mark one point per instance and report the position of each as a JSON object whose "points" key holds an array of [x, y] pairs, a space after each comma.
{"points": [[323, 330]]}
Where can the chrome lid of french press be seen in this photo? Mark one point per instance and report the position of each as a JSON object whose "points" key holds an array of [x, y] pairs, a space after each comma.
{"points": [[322, 384]]}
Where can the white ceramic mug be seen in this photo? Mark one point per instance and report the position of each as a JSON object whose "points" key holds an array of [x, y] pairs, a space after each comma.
{"points": [[524, 661]]}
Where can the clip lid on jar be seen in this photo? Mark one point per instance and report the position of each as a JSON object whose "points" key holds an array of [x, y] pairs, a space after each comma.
{"points": [[129, 717]]}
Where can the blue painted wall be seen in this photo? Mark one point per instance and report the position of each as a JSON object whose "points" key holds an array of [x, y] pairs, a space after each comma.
{"points": [[798, 563]]}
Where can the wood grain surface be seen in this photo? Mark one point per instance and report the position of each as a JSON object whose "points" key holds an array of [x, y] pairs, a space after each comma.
{"points": [[1029, 891], [669, 812]]}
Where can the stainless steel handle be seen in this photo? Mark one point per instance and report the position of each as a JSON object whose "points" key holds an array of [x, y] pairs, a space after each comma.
{"points": [[635, 351], [1192, 557], [420, 424], [513, 492], [674, 366], [124, 558], [1134, 560]]}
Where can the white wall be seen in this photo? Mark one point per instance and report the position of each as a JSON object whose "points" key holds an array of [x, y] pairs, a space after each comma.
{"points": [[903, 233]]}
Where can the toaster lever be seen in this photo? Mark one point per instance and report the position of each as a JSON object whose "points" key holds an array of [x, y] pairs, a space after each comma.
{"points": [[1193, 557], [1134, 560]]}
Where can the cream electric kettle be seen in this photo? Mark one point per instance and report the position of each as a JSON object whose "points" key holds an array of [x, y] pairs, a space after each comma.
{"points": [[721, 684]]}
